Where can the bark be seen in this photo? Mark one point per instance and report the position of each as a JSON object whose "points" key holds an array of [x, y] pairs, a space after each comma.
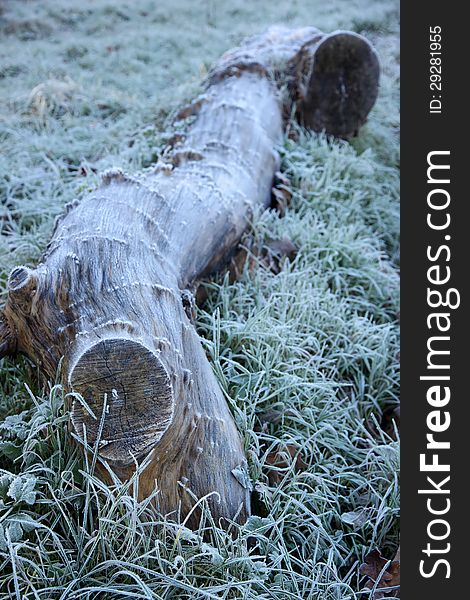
{"points": [[111, 297]]}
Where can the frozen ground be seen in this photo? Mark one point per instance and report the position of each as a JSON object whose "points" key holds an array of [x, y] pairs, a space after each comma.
{"points": [[309, 357]]}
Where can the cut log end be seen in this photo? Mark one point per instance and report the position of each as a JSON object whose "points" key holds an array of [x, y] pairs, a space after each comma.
{"points": [[342, 85], [128, 390]]}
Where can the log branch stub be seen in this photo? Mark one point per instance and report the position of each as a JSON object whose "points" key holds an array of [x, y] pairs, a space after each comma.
{"points": [[20, 278], [22, 285]]}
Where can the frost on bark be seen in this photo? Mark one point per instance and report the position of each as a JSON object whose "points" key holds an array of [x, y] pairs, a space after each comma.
{"points": [[112, 295]]}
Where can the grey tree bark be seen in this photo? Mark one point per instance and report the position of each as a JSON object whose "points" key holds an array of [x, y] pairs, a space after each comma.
{"points": [[110, 297]]}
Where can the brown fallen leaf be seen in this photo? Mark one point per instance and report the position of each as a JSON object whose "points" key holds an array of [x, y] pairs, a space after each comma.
{"points": [[274, 252], [279, 461], [381, 580], [271, 255]]}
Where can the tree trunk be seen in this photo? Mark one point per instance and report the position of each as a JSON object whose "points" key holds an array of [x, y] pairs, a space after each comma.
{"points": [[111, 296]]}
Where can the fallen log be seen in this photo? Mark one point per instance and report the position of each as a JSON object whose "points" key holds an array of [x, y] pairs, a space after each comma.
{"points": [[112, 295]]}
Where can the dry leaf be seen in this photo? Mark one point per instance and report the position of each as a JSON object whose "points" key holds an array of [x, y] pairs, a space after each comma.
{"points": [[274, 252], [271, 255], [357, 518], [379, 578], [279, 461]]}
